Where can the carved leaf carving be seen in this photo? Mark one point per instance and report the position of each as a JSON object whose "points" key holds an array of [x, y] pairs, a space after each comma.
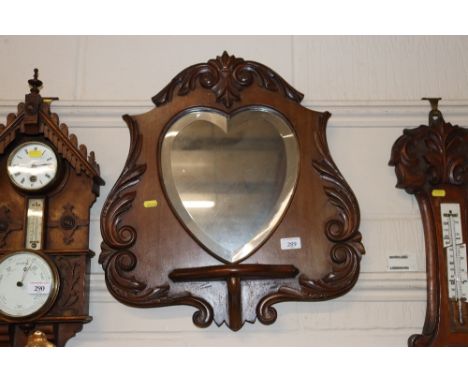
{"points": [[429, 156], [226, 76], [71, 285]]}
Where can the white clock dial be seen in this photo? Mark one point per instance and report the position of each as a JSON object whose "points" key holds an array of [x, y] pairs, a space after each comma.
{"points": [[27, 284], [32, 166]]}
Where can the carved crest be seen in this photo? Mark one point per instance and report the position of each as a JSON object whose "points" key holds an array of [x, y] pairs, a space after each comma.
{"points": [[226, 76], [431, 155]]}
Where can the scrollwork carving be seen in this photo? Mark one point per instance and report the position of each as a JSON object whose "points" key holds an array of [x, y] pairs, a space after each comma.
{"points": [[116, 257], [226, 76], [341, 230], [122, 196]]}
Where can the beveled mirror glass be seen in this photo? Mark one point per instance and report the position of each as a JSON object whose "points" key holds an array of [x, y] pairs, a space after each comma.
{"points": [[230, 177]]}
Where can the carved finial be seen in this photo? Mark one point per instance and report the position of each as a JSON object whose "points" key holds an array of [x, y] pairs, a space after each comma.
{"points": [[435, 115], [35, 83]]}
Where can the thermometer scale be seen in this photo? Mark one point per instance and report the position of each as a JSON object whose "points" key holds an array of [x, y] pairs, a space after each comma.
{"points": [[35, 217], [457, 276]]}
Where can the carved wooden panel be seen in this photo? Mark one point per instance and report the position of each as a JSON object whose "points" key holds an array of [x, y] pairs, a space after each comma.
{"points": [[153, 257], [431, 162], [64, 242]]}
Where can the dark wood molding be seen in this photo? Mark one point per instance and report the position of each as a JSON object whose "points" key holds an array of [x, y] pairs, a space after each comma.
{"points": [[151, 259], [427, 158]]}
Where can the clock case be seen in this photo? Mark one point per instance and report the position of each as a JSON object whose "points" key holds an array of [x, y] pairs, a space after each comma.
{"points": [[65, 222], [151, 259], [427, 158]]}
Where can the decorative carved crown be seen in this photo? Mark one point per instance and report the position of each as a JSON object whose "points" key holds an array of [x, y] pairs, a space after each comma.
{"points": [[226, 76], [430, 156]]}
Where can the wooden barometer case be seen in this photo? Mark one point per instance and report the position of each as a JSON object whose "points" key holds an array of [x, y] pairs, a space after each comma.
{"points": [[48, 184], [431, 162], [229, 201]]}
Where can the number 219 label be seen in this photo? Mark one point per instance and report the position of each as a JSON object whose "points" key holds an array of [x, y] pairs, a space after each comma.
{"points": [[288, 243]]}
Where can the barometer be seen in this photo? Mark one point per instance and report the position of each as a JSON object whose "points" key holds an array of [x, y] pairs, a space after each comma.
{"points": [[44, 226], [431, 162], [29, 283]]}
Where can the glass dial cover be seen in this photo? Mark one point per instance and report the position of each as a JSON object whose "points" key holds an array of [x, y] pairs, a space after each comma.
{"points": [[32, 166], [28, 283]]}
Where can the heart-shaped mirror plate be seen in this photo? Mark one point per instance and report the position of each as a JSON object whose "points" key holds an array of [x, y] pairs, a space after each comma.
{"points": [[230, 178]]}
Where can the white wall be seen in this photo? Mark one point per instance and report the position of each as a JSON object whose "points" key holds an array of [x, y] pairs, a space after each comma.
{"points": [[372, 87]]}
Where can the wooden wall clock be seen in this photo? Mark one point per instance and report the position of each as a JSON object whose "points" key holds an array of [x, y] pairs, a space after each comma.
{"points": [[229, 201], [48, 184], [431, 162]]}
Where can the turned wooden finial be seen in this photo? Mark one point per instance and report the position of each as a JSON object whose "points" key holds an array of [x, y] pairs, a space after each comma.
{"points": [[35, 83]]}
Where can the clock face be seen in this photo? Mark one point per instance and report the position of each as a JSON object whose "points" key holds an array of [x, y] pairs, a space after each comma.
{"points": [[32, 166], [28, 283]]}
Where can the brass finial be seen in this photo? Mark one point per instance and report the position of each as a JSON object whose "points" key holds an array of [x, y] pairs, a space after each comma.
{"points": [[435, 115], [35, 83], [38, 339]]}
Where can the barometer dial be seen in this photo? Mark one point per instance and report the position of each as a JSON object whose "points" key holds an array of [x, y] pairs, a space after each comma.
{"points": [[28, 284]]}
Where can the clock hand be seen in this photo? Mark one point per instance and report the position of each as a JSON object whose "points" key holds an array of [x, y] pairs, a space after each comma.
{"points": [[25, 270], [35, 165]]}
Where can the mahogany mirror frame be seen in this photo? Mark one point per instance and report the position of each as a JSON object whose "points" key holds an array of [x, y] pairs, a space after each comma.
{"points": [[150, 258]]}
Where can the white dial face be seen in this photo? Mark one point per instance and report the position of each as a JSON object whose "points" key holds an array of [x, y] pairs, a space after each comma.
{"points": [[32, 166], [27, 283]]}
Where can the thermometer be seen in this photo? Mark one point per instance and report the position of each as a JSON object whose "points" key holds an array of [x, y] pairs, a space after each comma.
{"points": [[457, 276], [35, 224]]}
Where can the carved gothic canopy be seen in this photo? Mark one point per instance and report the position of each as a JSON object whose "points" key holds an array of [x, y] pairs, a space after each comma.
{"points": [[45, 207], [229, 200]]}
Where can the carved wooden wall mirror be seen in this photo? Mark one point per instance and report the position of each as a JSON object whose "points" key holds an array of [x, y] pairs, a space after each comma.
{"points": [[229, 201], [44, 226], [431, 162]]}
